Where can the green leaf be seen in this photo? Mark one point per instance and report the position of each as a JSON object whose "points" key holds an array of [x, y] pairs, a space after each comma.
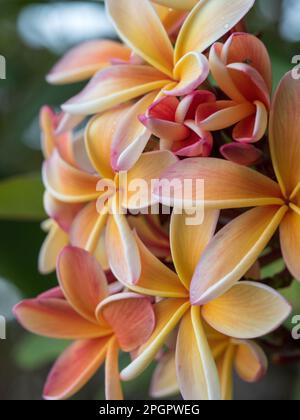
{"points": [[21, 198]]}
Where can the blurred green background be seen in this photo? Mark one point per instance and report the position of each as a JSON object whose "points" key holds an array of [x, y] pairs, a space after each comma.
{"points": [[33, 34]]}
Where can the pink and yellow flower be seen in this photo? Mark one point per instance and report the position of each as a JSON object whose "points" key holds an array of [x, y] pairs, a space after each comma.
{"points": [[101, 325], [248, 310]]}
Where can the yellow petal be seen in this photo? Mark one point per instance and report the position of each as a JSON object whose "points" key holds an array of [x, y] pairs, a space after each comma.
{"points": [[284, 134], [114, 86], [139, 26], [167, 314], [55, 241], [164, 382], [178, 4], [290, 242], [188, 242], [248, 310], [196, 370], [208, 22], [251, 363], [113, 389], [245, 238], [225, 367]]}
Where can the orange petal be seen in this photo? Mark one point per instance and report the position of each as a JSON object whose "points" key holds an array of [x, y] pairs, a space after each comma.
{"points": [[248, 235], [82, 280], [75, 368], [114, 86], [196, 370], [188, 242], [290, 242], [99, 138], [84, 60], [131, 317], [168, 313], [131, 136], [208, 22], [55, 318], [253, 128], [156, 278], [87, 228], [63, 213], [226, 185], [248, 310], [247, 48], [284, 133], [122, 251], [164, 381], [251, 363], [190, 72], [145, 34], [67, 183], [113, 388], [225, 368], [55, 241]]}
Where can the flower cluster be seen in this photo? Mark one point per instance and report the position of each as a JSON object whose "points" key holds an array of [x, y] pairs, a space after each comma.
{"points": [[186, 96]]}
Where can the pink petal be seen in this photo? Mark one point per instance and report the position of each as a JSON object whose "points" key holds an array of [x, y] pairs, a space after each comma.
{"points": [[243, 154]]}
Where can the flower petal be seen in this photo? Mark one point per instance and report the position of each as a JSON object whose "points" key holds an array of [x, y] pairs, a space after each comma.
{"points": [[226, 185], [113, 388], [140, 179], [82, 280], [196, 370], [189, 241], [122, 251], [84, 60], [251, 363], [190, 71], [178, 4], [225, 368], [290, 242], [131, 136], [248, 310], [56, 240], [114, 86], [63, 213], [284, 133], [208, 22], [241, 153], [87, 228], [164, 381], [248, 235], [145, 34], [55, 318], [131, 317], [156, 278], [167, 314], [67, 183], [253, 128], [75, 368]]}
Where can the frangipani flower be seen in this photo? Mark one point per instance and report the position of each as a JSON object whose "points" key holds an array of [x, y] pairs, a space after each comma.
{"points": [[176, 71], [244, 356], [99, 324], [86, 59], [228, 185], [173, 121], [106, 195], [248, 310], [242, 69]]}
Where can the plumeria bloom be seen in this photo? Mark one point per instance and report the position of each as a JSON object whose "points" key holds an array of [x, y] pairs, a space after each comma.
{"points": [[275, 205], [177, 71], [242, 70], [246, 311], [173, 121], [243, 356], [101, 325], [107, 195]]}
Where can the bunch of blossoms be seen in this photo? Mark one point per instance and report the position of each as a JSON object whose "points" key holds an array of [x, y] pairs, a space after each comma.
{"points": [[186, 96]]}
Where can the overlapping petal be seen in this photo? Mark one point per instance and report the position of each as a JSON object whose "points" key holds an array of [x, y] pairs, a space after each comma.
{"points": [[251, 363], [164, 381], [290, 242]]}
